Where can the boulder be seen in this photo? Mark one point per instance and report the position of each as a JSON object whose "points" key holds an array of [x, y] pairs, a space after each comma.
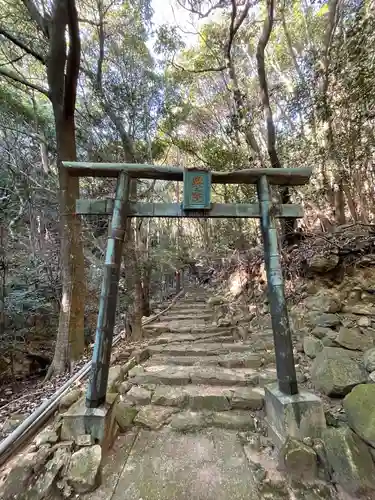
{"points": [[44, 484], [323, 263], [364, 322], [216, 300], [320, 332], [325, 320], [360, 411], [324, 301], [45, 437], [353, 338], [312, 346], [124, 415], [334, 373], [69, 399], [19, 476], [298, 460], [369, 360], [350, 461], [135, 371], [115, 377], [83, 471], [138, 396], [360, 309]]}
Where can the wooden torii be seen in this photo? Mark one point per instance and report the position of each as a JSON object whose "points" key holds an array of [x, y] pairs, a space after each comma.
{"points": [[196, 204]]}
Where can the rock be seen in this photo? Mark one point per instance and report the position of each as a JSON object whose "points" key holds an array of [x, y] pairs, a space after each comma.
{"points": [[312, 346], [169, 396], [44, 484], [360, 411], [83, 471], [139, 396], [141, 355], [350, 461], [46, 436], [247, 399], [334, 373], [325, 320], [324, 469], [299, 460], [124, 415], [224, 322], [323, 263], [19, 476], [136, 370], [153, 417], [115, 377], [372, 376], [360, 309], [125, 387], [131, 363], [69, 399], [320, 332], [369, 360], [352, 338], [216, 301], [324, 301], [111, 398], [364, 321]]}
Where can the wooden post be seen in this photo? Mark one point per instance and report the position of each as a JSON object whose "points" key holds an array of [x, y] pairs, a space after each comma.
{"points": [[97, 388], [286, 372]]}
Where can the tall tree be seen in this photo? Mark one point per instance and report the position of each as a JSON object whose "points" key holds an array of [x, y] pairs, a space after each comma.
{"points": [[61, 61]]}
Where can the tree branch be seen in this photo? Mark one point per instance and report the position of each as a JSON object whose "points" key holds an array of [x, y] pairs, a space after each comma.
{"points": [[23, 81], [220, 4], [22, 46], [57, 54], [235, 25], [203, 70], [263, 41], [36, 16], [73, 60]]}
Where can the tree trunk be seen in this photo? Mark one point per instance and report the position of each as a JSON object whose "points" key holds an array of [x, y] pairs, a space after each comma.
{"points": [[70, 335], [288, 224], [62, 72]]}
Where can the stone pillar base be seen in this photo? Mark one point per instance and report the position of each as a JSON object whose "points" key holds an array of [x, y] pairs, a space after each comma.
{"points": [[298, 416], [99, 423]]}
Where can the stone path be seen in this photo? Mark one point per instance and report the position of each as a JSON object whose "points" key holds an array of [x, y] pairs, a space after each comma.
{"points": [[199, 372], [194, 395]]}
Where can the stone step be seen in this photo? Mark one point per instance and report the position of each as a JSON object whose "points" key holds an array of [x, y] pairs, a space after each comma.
{"points": [[198, 349], [169, 338], [191, 316], [178, 326], [189, 421], [198, 375], [197, 397], [183, 309], [231, 360]]}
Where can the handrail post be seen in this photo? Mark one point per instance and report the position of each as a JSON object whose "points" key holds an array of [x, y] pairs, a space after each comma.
{"points": [[97, 388], [286, 372]]}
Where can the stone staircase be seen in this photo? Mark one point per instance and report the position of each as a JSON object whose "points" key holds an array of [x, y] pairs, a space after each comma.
{"points": [[197, 374]]}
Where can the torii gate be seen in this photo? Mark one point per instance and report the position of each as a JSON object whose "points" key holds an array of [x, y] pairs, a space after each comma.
{"points": [[196, 204]]}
